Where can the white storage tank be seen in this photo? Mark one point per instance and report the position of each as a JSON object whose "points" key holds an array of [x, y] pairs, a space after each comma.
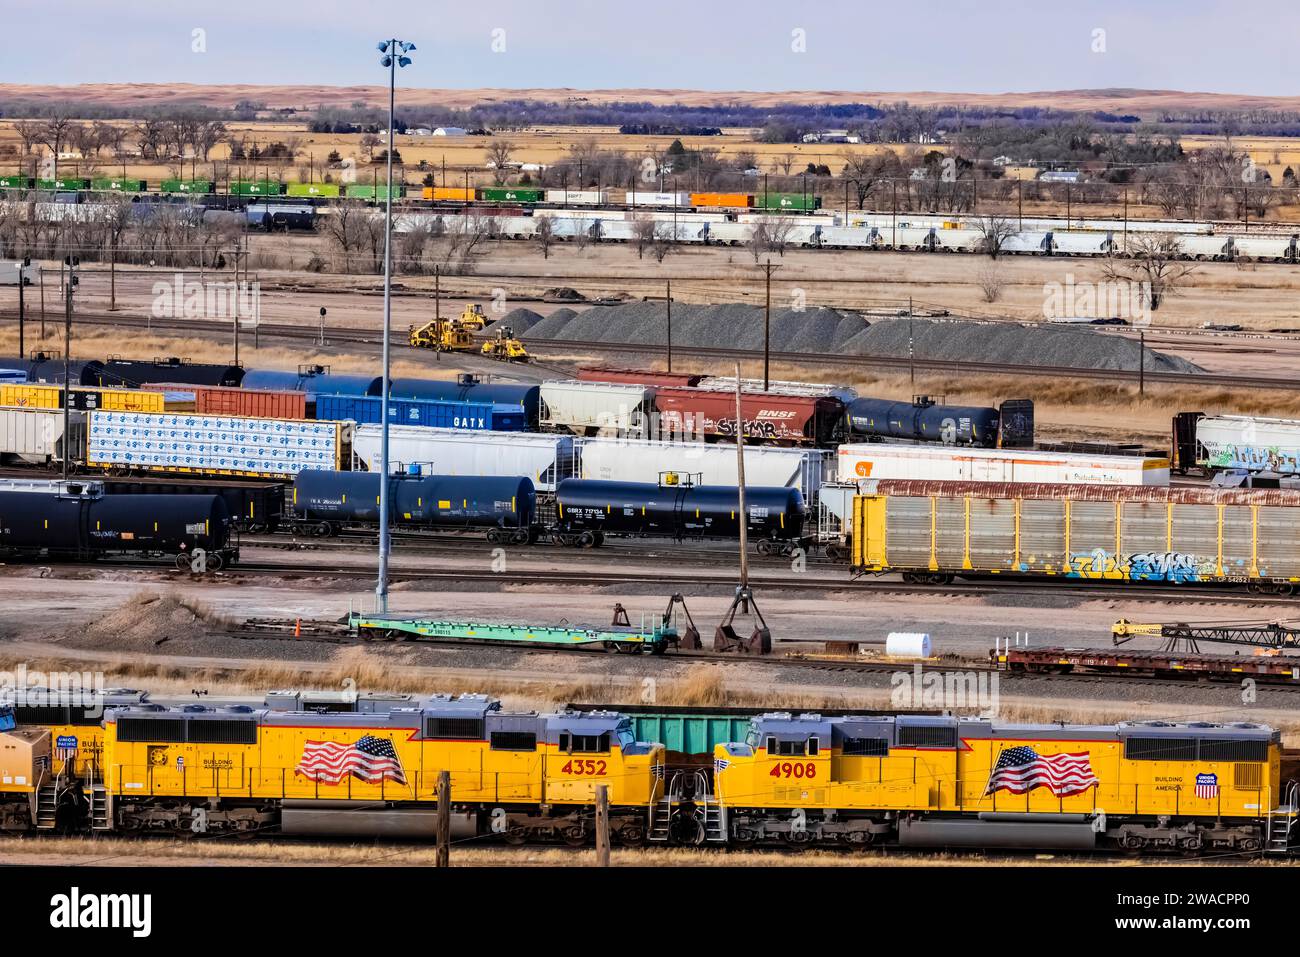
{"points": [[907, 644], [944, 463]]}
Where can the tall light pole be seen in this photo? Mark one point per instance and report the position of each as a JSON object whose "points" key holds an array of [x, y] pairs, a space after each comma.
{"points": [[72, 262], [393, 55]]}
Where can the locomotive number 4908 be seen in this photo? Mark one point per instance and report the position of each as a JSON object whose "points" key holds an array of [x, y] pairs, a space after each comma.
{"points": [[798, 769]]}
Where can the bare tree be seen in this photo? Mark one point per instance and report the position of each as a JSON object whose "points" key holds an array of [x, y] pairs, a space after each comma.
{"points": [[643, 233], [544, 234], [991, 282], [207, 134], [369, 143], [54, 134], [30, 132], [994, 232], [498, 155], [661, 242], [866, 171], [1156, 261]]}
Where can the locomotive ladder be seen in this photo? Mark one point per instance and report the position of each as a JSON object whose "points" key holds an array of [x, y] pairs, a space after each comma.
{"points": [[101, 808], [1282, 821], [47, 805]]}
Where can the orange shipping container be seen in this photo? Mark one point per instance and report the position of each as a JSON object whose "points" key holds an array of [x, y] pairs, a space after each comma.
{"points": [[730, 200], [249, 403], [454, 194]]}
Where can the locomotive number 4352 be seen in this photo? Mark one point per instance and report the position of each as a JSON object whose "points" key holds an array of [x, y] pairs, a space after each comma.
{"points": [[587, 767]]}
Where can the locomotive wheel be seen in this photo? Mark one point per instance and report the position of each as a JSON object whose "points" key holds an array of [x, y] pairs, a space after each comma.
{"points": [[183, 562], [515, 836], [574, 835], [633, 835]]}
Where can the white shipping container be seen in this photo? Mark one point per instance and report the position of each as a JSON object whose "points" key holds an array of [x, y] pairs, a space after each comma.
{"points": [[638, 198], [876, 460], [546, 459], [591, 407], [1247, 442], [214, 444], [643, 460], [36, 435], [577, 197]]}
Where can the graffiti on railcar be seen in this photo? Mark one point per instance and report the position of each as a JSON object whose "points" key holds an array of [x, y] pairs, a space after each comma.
{"points": [[1256, 458], [1141, 566]]}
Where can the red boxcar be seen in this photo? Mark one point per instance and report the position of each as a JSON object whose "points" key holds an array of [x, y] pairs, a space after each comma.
{"points": [[637, 376], [248, 403], [769, 417]]}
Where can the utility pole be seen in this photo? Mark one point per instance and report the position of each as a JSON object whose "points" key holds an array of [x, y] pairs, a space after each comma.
{"points": [[322, 325], [767, 325], [740, 489], [668, 300], [394, 55], [71, 262], [22, 312], [238, 252], [1020, 203], [1125, 220], [1142, 362], [911, 350], [443, 858], [602, 825]]}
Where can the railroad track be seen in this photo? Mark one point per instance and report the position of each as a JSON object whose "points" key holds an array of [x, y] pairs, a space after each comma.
{"points": [[951, 367], [336, 633]]}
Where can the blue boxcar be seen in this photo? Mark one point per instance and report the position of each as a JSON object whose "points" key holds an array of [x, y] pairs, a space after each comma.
{"points": [[470, 416], [502, 393]]}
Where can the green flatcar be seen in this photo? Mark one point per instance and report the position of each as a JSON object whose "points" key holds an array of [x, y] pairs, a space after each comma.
{"points": [[200, 186], [261, 187], [798, 202], [508, 194], [110, 185], [330, 190], [63, 184], [369, 191]]}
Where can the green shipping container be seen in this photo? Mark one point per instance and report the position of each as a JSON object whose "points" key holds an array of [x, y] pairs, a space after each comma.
{"points": [[505, 194], [793, 201], [63, 184], [16, 182], [371, 191], [107, 185], [312, 189], [200, 186], [261, 187]]}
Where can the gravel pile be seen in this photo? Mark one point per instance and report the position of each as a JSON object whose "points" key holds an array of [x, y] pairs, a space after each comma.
{"points": [[520, 320], [818, 330]]}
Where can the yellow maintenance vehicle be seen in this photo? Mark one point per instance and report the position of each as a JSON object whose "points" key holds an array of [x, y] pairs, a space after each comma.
{"points": [[506, 347], [442, 335], [473, 319]]}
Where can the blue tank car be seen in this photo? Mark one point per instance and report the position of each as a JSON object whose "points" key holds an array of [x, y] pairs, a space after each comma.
{"points": [[922, 420], [590, 509], [324, 503]]}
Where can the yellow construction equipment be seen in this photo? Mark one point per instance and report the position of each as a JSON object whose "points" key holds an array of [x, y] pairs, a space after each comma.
{"points": [[473, 319], [506, 347], [442, 335]]}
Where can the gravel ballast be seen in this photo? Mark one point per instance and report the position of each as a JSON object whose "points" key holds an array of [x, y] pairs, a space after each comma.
{"points": [[820, 330]]}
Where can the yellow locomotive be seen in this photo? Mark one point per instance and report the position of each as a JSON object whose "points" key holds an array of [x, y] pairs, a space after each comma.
{"points": [[239, 769], [943, 781]]}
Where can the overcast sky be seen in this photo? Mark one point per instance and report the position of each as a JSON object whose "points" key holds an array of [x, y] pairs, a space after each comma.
{"points": [[974, 46]]}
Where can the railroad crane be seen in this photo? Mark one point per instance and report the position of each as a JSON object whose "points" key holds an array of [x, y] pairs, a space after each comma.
{"points": [[1274, 636]]}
